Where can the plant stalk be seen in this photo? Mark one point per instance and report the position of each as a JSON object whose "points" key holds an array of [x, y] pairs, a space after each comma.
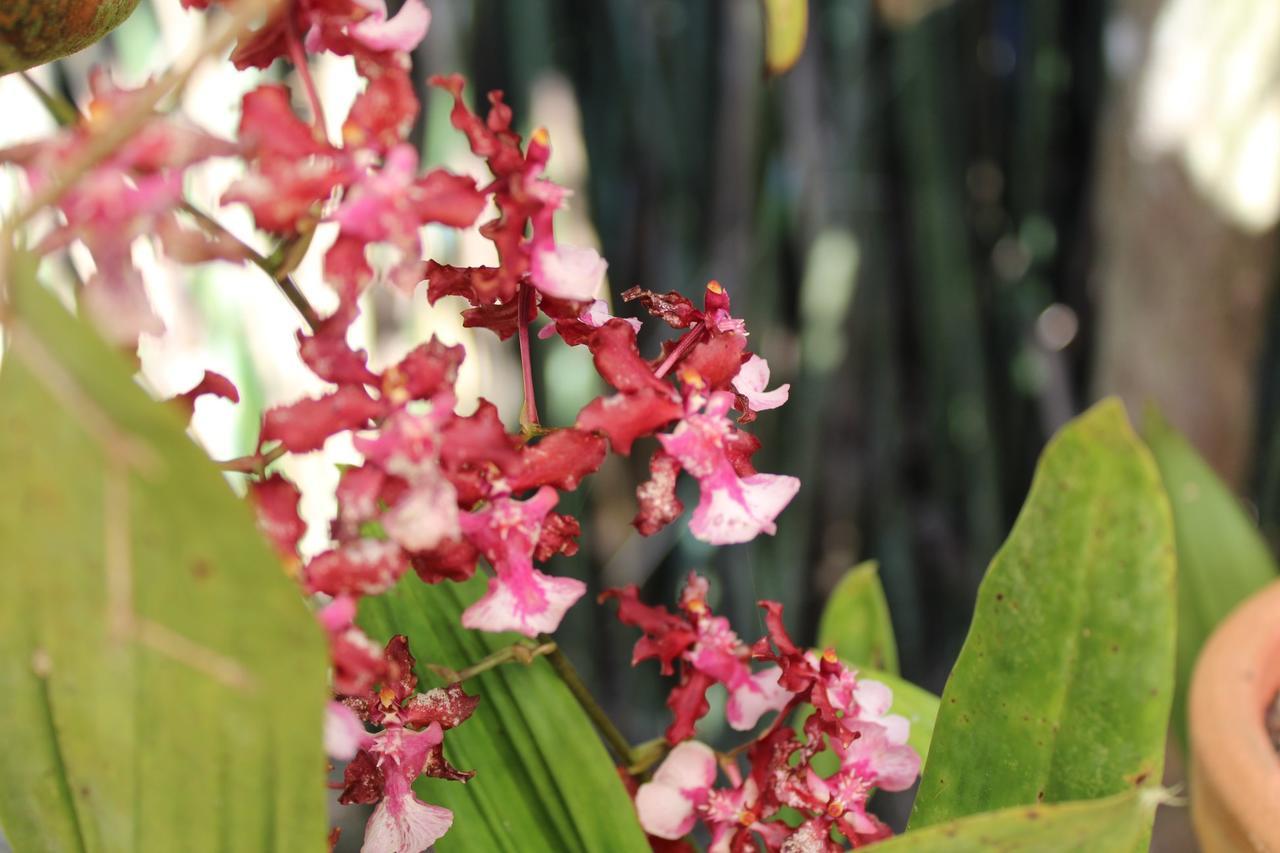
{"points": [[682, 346], [525, 307], [569, 675]]}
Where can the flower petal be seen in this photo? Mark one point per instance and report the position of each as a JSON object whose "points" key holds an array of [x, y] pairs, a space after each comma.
{"points": [[751, 380], [691, 766], [405, 825], [732, 512], [762, 694], [569, 272], [344, 734], [403, 32], [525, 601], [425, 516], [664, 811]]}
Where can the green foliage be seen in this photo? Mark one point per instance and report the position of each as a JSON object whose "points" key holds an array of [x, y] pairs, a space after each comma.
{"points": [[856, 623], [1222, 558], [1108, 825], [545, 781], [1063, 687], [163, 682]]}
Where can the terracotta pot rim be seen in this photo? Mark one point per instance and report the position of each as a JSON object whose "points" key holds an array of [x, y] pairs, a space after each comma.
{"points": [[1236, 770]]}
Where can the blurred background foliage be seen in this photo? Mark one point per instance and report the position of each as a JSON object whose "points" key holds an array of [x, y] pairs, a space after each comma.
{"points": [[950, 227]]}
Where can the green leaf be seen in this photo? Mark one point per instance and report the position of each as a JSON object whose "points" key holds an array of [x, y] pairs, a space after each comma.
{"points": [[1107, 825], [786, 25], [544, 780], [163, 683], [856, 623], [1062, 689], [1222, 559]]}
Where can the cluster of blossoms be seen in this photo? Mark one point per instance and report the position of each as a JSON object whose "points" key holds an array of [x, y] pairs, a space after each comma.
{"points": [[436, 490], [849, 718]]}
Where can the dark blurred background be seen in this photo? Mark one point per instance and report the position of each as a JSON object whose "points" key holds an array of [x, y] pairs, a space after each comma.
{"points": [[951, 226]]}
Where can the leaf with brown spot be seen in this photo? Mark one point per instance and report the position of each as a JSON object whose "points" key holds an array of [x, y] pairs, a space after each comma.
{"points": [[1093, 547], [1115, 824], [163, 682]]}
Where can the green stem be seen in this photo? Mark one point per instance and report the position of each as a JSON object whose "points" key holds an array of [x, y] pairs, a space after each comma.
{"points": [[645, 755], [523, 652], [272, 268], [62, 110], [255, 463], [569, 675]]}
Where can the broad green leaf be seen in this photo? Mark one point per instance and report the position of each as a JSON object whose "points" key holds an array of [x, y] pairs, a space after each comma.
{"points": [[1108, 825], [544, 780], [163, 683], [786, 23], [1222, 558], [1062, 689], [856, 623]]}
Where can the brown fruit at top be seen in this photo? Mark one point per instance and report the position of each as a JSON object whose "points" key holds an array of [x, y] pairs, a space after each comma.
{"points": [[33, 32]]}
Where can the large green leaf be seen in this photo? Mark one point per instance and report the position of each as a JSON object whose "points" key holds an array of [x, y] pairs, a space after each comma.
{"points": [[855, 621], [163, 684], [1222, 558], [1107, 825], [1062, 689], [544, 780]]}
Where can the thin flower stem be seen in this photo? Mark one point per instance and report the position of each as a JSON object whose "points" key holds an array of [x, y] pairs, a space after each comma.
{"points": [[254, 463], [299, 58], [683, 346], [282, 280], [569, 675], [524, 652], [62, 110], [524, 316], [645, 755]]}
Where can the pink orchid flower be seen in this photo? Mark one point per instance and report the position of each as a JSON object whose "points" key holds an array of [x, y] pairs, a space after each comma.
{"points": [[520, 598], [403, 32], [402, 823], [750, 382], [344, 734], [667, 803], [568, 272], [732, 509]]}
